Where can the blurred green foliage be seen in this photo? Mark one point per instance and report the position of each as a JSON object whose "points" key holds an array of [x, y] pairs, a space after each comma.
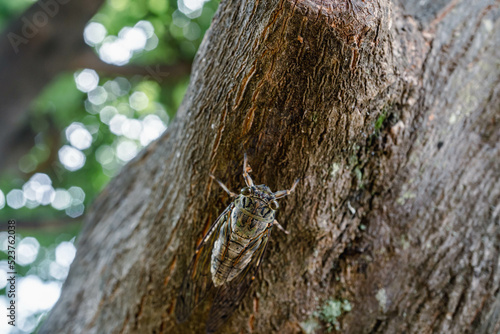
{"points": [[61, 103], [140, 101], [11, 9]]}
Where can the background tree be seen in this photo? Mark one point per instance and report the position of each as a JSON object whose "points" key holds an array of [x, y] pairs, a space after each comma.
{"points": [[389, 112]]}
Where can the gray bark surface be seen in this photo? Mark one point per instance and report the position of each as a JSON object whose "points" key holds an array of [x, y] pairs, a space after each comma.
{"points": [[389, 113]]}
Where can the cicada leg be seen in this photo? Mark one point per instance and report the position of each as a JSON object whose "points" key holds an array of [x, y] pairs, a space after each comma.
{"points": [[223, 186], [280, 227], [283, 193], [247, 169]]}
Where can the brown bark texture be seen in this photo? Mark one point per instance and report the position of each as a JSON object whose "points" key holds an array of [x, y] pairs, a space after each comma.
{"points": [[388, 111]]}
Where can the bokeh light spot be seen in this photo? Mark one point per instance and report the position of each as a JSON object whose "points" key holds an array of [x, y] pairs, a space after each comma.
{"points": [[71, 158], [124, 85], [152, 43], [3, 277], [126, 150], [62, 199], [27, 251], [133, 38], [57, 271], [2, 200], [29, 189], [75, 210], [152, 128], [77, 195], [45, 195], [65, 253], [16, 199], [35, 295], [86, 80], [94, 33], [139, 101], [192, 31], [114, 51], [38, 190], [146, 26], [132, 128], [107, 113], [105, 154], [193, 5], [42, 179], [115, 125], [97, 96], [78, 136], [179, 19]]}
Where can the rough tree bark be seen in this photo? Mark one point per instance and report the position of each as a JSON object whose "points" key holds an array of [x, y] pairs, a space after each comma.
{"points": [[388, 111]]}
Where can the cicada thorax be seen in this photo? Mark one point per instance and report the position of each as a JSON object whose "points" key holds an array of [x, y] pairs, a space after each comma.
{"points": [[250, 216], [239, 238]]}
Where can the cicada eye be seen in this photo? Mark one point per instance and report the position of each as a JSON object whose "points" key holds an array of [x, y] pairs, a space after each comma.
{"points": [[247, 191], [274, 205]]}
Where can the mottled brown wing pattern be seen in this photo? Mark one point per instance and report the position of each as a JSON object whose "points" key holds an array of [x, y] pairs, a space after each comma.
{"points": [[230, 294], [198, 281]]}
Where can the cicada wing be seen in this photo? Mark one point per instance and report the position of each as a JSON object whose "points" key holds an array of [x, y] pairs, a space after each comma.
{"points": [[198, 281], [230, 294]]}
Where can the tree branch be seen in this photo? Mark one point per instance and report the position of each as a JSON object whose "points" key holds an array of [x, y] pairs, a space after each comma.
{"points": [[158, 72], [35, 48]]}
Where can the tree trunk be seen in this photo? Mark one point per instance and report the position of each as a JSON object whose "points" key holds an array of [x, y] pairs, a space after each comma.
{"points": [[388, 112]]}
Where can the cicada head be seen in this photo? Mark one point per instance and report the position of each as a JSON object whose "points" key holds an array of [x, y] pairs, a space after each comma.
{"points": [[257, 200]]}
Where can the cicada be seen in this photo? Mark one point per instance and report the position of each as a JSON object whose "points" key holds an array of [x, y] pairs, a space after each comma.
{"points": [[230, 253]]}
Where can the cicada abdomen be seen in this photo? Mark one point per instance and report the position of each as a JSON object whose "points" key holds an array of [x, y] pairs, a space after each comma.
{"points": [[231, 252]]}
